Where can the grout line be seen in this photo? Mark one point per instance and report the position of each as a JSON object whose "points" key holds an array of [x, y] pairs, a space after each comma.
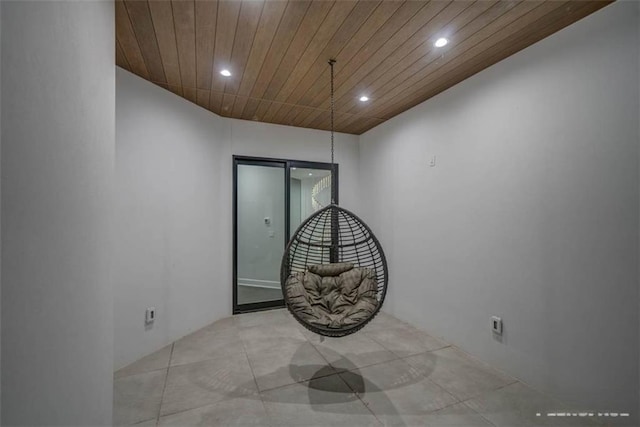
{"points": [[476, 412], [359, 397], [140, 422], [135, 373], [253, 374], [164, 387], [301, 381]]}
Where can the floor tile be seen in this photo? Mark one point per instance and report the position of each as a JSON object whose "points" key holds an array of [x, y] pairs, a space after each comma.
{"points": [[224, 324], [405, 340], [206, 344], [383, 321], [152, 362], [457, 415], [281, 361], [203, 383], [325, 401], [394, 389], [266, 333], [231, 412], [268, 317], [458, 373], [400, 376], [518, 405], [137, 397], [148, 423], [351, 352]]}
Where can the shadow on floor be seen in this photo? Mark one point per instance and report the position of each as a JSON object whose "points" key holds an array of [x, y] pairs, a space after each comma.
{"points": [[330, 390]]}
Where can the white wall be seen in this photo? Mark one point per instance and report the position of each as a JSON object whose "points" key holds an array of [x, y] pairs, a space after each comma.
{"points": [[174, 208], [169, 218], [531, 212], [57, 168]]}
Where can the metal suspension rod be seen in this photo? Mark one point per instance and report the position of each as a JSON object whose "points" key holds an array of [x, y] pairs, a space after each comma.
{"points": [[331, 64]]}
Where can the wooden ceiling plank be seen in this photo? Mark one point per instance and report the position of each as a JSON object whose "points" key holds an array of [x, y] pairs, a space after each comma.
{"points": [[272, 14], [313, 18], [504, 26], [226, 22], [206, 13], [286, 110], [128, 41], [277, 51], [542, 28], [202, 98], [469, 21], [339, 40], [289, 26], [162, 17], [406, 21], [190, 94], [483, 42], [408, 31], [121, 59], [362, 126], [378, 18], [455, 14], [327, 30], [215, 102], [184, 16], [146, 36], [263, 107], [466, 34], [251, 105], [227, 104], [250, 16], [177, 90]]}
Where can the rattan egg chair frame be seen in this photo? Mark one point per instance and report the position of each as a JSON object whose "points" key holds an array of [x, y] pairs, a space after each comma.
{"points": [[334, 238]]}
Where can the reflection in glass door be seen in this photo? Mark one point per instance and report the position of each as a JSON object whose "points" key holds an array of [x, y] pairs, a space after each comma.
{"points": [[309, 191], [271, 199]]}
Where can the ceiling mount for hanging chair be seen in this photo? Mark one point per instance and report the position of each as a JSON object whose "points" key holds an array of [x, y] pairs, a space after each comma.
{"points": [[334, 273]]}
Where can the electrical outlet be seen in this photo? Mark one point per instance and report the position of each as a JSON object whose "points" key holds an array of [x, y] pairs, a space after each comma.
{"points": [[150, 315], [496, 325]]}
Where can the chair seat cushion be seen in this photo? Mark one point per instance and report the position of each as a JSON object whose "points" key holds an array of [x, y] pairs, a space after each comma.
{"points": [[333, 295]]}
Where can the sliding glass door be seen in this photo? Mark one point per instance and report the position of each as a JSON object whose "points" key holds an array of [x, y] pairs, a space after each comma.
{"points": [[272, 198]]}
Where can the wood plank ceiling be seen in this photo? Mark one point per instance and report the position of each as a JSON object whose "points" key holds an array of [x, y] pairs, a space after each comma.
{"points": [[277, 51]]}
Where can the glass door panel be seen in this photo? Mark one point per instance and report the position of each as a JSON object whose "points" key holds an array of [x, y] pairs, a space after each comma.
{"points": [[261, 232]]}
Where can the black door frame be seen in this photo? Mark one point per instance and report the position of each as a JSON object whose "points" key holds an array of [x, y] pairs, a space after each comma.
{"points": [[287, 164]]}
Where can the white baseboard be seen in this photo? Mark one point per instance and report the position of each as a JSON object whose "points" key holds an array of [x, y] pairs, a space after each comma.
{"points": [[255, 283]]}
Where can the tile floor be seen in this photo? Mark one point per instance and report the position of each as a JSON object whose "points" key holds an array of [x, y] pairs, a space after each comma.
{"points": [[264, 369]]}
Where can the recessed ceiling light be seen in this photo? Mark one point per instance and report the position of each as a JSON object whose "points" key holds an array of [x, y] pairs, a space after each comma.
{"points": [[441, 42], [293, 169], [364, 98], [310, 174], [225, 73]]}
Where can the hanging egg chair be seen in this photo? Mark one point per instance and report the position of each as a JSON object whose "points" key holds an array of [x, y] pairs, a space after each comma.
{"points": [[334, 273]]}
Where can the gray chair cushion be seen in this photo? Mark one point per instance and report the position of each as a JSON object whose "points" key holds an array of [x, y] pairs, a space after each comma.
{"points": [[333, 295]]}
